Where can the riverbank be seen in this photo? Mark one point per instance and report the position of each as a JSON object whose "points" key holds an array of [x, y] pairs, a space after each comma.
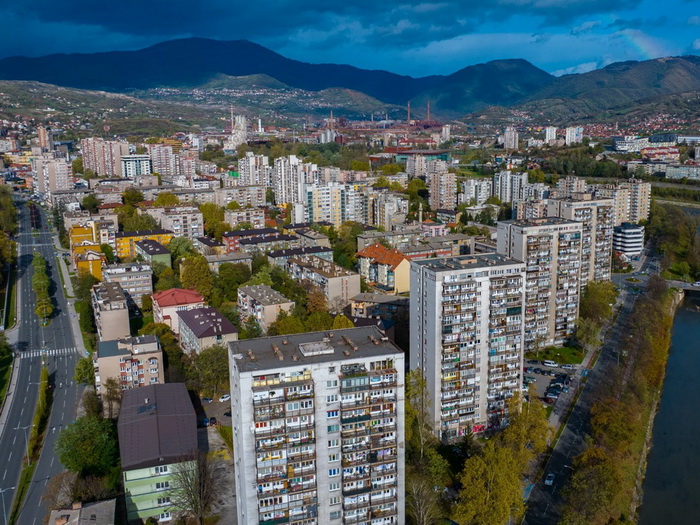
{"points": [[605, 479]]}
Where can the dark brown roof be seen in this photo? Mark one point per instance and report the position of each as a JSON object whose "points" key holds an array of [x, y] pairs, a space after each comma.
{"points": [[157, 426]]}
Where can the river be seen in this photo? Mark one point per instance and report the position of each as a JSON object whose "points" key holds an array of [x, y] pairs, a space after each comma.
{"points": [[672, 483]]}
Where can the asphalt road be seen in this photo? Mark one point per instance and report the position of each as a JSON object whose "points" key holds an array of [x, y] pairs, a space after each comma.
{"points": [[61, 356], [544, 500]]}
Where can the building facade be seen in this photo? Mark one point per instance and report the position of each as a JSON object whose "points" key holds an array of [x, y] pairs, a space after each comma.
{"points": [[263, 304], [111, 311], [134, 362], [319, 428], [467, 339], [136, 279], [338, 284], [203, 327], [551, 250], [167, 303]]}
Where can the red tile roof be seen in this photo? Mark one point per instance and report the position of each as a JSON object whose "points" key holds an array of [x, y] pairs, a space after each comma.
{"points": [[176, 296]]}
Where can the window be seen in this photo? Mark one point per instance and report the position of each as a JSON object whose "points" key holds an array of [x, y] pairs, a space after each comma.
{"points": [[332, 383], [335, 515], [333, 486], [164, 501], [162, 485], [161, 470], [332, 398], [331, 369], [335, 500], [333, 443], [333, 472], [333, 428], [332, 414], [333, 457]]}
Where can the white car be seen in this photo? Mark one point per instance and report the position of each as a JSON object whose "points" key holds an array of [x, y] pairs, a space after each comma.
{"points": [[549, 480], [225, 397]]}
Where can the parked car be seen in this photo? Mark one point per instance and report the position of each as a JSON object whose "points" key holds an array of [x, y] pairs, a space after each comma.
{"points": [[225, 397], [212, 422], [550, 363], [549, 480], [227, 413], [205, 422], [529, 379], [533, 362], [528, 369], [538, 371], [207, 400], [567, 367]]}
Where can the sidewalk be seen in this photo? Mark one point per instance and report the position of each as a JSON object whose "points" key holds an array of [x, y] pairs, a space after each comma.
{"points": [[68, 288]]}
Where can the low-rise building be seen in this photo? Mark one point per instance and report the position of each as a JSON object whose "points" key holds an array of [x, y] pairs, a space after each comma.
{"points": [[244, 195], [311, 238], [385, 268], [126, 241], [203, 327], [265, 243], [133, 361], [338, 283], [167, 303], [183, 221], [90, 261], [279, 257], [215, 261], [98, 512], [208, 246], [628, 239], [262, 303], [153, 252], [232, 239], [136, 280], [253, 216], [157, 436], [111, 311], [376, 305]]}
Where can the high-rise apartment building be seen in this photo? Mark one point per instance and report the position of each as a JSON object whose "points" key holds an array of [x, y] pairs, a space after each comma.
{"points": [[443, 191], [289, 177], [639, 199], [550, 134], [571, 185], [574, 135], [183, 221], [44, 138], [467, 339], [508, 186], [551, 250], [103, 156], [135, 165], [164, 161], [335, 203], [476, 190], [254, 170], [510, 138], [598, 218], [51, 175], [318, 428]]}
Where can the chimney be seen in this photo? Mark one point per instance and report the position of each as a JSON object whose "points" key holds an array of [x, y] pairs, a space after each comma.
{"points": [[77, 505]]}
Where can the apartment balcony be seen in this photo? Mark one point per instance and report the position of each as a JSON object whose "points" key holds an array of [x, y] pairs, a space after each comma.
{"points": [[356, 490]]}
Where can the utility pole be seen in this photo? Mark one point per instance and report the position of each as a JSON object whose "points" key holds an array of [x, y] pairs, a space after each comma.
{"points": [[2, 494]]}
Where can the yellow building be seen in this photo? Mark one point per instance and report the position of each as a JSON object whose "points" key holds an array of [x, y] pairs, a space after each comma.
{"points": [[126, 241], [80, 234], [91, 262]]}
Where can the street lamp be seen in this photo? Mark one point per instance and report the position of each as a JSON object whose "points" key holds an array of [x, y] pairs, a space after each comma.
{"points": [[26, 439], [2, 495]]}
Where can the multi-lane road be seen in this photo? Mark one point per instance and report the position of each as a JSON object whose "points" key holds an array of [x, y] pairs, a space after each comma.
{"points": [[54, 345]]}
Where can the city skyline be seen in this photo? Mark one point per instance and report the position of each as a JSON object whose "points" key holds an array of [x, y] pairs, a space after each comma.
{"points": [[416, 38]]}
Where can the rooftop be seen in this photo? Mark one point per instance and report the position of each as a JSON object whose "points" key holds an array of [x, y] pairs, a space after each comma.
{"points": [[381, 299], [116, 347], [466, 262], [297, 350], [543, 221], [143, 233], [263, 294], [108, 292], [206, 321], [152, 247], [251, 233], [157, 426], [232, 257], [176, 296], [261, 239], [127, 268], [291, 252], [320, 266], [98, 512], [208, 241]]}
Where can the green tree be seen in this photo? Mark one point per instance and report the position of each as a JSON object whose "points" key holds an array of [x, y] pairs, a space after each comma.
{"points": [[90, 203], [597, 300], [112, 397], [285, 325], [166, 198], [78, 165], [340, 321], [391, 169], [108, 251], [181, 247], [233, 205], [419, 427], [88, 446], [210, 370], [84, 371], [230, 277], [167, 279], [318, 321], [196, 275], [132, 196], [220, 229], [212, 214], [139, 222], [146, 303]]}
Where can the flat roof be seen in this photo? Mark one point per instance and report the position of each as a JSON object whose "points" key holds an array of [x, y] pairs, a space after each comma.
{"points": [[251, 355], [152, 247], [291, 252], [542, 221], [206, 321], [157, 426], [111, 348], [320, 266], [381, 298], [263, 294], [466, 262], [142, 233]]}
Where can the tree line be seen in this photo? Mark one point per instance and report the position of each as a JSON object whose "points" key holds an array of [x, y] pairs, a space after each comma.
{"points": [[41, 284]]}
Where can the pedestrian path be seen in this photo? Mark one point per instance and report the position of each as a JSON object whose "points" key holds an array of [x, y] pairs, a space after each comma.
{"points": [[53, 352]]}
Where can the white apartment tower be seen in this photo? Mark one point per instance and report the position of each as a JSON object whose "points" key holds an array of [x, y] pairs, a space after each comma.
{"points": [[318, 428], [51, 175], [551, 250], [598, 219], [508, 186], [510, 138], [334, 203], [254, 170], [442, 186], [478, 190], [467, 338], [550, 134], [135, 165], [289, 177], [103, 156], [574, 135]]}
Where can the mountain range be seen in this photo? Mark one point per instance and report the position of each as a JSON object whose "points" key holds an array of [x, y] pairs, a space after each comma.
{"points": [[193, 62]]}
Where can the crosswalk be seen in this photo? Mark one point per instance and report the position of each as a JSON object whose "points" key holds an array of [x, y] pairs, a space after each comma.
{"points": [[52, 352]]}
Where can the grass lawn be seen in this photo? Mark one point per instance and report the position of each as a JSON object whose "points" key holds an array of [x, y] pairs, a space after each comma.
{"points": [[549, 411], [11, 315], [5, 373], [226, 434], [633, 280], [564, 355]]}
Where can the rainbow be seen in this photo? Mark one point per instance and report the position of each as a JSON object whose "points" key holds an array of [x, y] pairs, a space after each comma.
{"points": [[647, 47]]}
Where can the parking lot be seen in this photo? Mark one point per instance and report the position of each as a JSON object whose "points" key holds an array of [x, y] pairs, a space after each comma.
{"points": [[544, 375], [216, 409]]}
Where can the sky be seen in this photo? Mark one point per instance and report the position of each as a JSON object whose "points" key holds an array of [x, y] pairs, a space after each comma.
{"points": [[414, 38]]}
